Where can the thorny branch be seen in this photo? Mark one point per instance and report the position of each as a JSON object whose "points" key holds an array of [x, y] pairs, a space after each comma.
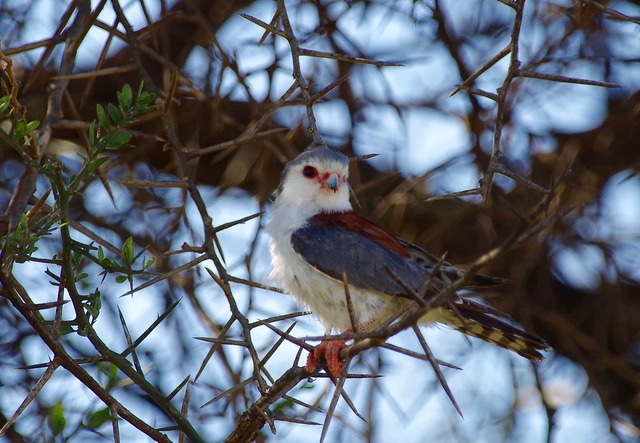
{"points": [[297, 72], [503, 91], [246, 151], [20, 300]]}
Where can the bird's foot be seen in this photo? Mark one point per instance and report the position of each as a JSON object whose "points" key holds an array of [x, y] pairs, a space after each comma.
{"points": [[330, 351]]}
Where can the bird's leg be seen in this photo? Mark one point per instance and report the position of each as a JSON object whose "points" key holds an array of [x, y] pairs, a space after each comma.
{"points": [[330, 351]]}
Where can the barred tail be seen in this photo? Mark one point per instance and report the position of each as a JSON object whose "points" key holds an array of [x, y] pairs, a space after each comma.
{"points": [[477, 321]]}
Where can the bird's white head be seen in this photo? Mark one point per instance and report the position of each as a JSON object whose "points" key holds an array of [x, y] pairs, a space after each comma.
{"points": [[316, 181]]}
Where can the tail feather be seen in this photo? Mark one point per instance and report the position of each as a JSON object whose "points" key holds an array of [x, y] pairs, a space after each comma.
{"points": [[475, 320]]}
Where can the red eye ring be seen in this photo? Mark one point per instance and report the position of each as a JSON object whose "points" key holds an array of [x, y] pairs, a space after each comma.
{"points": [[309, 172]]}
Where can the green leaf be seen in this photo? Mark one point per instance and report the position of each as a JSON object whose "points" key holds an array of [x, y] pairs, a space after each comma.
{"points": [[98, 418], [20, 129], [125, 97], [92, 133], [107, 263], [32, 126], [127, 252], [92, 312], [4, 104], [145, 98], [140, 91], [282, 406], [121, 278], [77, 257], [65, 329], [115, 114], [117, 139], [112, 372], [147, 264], [81, 276], [57, 420], [96, 164], [102, 117]]}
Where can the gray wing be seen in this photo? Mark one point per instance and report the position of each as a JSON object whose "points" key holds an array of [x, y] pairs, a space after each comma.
{"points": [[447, 272], [367, 264]]}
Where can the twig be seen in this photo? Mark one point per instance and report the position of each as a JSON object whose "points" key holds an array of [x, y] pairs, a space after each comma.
{"points": [[466, 192], [517, 177], [334, 399], [233, 143], [512, 72], [246, 328], [324, 91], [563, 79], [416, 355], [347, 296], [480, 92], [612, 12], [436, 368], [297, 73], [346, 58], [469, 80], [98, 72], [51, 368]]}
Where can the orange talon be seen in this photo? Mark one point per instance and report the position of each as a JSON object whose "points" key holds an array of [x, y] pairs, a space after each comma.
{"points": [[330, 351], [312, 361]]}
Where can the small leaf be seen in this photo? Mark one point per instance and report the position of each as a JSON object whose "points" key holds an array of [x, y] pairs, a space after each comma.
{"points": [[127, 252], [81, 276], [65, 329], [97, 163], [121, 278], [115, 114], [125, 97], [94, 305], [147, 264], [4, 104], [20, 129], [140, 90], [102, 117], [146, 98], [32, 126], [98, 418], [117, 139], [92, 311], [57, 420], [92, 133], [282, 406], [77, 257], [112, 372]]}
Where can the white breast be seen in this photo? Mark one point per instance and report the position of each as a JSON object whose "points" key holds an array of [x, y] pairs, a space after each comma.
{"points": [[322, 294]]}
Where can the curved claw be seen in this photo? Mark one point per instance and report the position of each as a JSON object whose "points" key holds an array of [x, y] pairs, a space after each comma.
{"points": [[330, 351]]}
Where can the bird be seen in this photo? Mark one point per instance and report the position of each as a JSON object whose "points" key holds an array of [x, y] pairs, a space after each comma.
{"points": [[318, 243]]}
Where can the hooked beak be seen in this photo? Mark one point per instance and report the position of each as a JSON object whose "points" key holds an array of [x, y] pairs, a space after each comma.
{"points": [[332, 182]]}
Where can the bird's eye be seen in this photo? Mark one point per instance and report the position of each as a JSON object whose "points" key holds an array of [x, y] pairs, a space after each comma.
{"points": [[309, 171]]}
